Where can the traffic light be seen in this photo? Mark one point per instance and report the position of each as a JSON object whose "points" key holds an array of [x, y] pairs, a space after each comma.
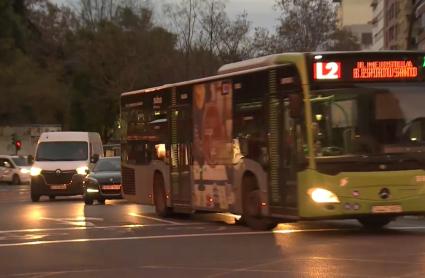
{"points": [[18, 145]]}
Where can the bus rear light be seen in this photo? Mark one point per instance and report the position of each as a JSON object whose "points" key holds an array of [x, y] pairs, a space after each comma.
{"points": [[264, 204]]}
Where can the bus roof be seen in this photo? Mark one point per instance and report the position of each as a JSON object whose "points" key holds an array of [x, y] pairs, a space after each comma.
{"points": [[258, 64], [200, 80]]}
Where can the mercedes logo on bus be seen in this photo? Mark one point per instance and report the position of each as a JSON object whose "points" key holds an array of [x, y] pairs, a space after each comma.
{"points": [[384, 193], [58, 171]]}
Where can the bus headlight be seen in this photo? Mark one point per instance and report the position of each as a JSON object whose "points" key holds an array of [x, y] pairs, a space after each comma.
{"points": [[320, 195], [35, 171], [82, 170]]}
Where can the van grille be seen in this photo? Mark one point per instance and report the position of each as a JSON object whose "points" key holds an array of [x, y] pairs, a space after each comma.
{"points": [[128, 181], [64, 177]]}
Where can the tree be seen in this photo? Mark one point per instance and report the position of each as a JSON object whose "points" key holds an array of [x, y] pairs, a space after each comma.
{"points": [[124, 53], [305, 25], [30, 92], [343, 40], [183, 20]]}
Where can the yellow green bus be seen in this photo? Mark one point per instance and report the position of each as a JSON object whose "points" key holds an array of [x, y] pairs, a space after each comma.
{"points": [[286, 137]]}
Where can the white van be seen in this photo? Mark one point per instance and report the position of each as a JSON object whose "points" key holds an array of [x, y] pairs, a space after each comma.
{"points": [[61, 162]]}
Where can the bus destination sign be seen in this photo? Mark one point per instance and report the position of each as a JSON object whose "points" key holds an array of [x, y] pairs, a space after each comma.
{"points": [[385, 70], [368, 67]]}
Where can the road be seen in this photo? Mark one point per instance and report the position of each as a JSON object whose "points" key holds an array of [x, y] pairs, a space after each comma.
{"points": [[65, 238]]}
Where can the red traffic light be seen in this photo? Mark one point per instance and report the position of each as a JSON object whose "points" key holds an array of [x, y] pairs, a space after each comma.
{"points": [[18, 144]]}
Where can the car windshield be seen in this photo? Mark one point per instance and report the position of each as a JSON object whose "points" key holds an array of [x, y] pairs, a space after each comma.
{"points": [[108, 165], [20, 161], [62, 151], [369, 119]]}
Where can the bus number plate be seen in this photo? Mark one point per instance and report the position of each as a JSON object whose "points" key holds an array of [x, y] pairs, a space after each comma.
{"points": [[387, 209]]}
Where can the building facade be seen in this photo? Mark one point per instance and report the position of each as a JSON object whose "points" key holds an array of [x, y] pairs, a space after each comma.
{"points": [[398, 24], [419, 25], [378, 24], [355, 16]]}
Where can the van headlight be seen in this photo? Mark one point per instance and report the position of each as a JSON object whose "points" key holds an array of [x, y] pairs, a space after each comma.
{"points": [[35, 171], [82, 170], [25, 171], [320, 195]]}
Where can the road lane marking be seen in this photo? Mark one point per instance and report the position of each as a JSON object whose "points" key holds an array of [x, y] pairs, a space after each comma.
{"points": [[192, 235], [82, 240], [154, 218], [79, 240], [77, 221], [225, 271], [96, 227]]}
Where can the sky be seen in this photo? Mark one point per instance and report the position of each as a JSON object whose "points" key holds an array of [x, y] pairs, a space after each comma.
{"points": [[260, 12]]}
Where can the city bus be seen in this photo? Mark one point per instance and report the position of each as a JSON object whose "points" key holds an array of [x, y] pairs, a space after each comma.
{"points": [[286, 137]]}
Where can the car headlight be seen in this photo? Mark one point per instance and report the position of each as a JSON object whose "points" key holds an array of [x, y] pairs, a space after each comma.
{"points": [[25, 171], [35, 171], [320, 195], [82, 170]]}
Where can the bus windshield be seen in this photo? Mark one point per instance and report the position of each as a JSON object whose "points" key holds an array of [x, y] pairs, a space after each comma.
{"points": [[62, 151], [369, 119]]}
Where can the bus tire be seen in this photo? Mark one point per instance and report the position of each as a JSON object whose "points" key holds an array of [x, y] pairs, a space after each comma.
{"points": [[252, 207], [52, 197], [374, 223], [160, 198], [35, 198]]}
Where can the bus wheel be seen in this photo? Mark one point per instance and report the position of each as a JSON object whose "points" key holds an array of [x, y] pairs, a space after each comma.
{"points": [[375, 223], [252, 208], [35, 197], [160, 199]]}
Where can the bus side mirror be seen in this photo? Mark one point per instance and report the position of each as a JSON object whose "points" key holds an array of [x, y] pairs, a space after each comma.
{"points": [[295, 106], [94, 158]]}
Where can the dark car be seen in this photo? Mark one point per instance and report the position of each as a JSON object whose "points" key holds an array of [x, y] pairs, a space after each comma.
{"points": [[104, 181]]}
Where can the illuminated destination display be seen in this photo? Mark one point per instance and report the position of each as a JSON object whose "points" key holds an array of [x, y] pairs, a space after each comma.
{"points": [[385, 70], [331, 68]]}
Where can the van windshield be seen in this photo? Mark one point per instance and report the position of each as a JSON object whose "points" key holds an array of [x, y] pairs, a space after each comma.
{"points": [[62, 151]]}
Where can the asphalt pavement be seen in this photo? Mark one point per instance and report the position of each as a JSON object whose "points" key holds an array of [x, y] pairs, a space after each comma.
{"points": [[65, 238]]}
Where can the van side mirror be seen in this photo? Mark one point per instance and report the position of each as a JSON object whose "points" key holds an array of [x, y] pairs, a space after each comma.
{"points": [[295, 106], [94, 158]]}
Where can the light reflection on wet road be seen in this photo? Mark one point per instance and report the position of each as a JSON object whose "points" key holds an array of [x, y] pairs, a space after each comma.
{"points": [[65, 238]]}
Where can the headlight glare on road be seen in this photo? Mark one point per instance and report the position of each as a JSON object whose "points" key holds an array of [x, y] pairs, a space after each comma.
{"points": [[82, 170], [35, 171], [320, 195]]}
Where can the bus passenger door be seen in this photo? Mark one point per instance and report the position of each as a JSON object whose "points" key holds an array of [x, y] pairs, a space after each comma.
{"points": [[283, 145], [181, 156]]}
